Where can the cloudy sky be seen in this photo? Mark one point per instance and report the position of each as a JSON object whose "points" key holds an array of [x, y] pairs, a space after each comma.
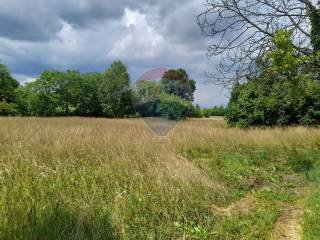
{"points": [[89, 34]]}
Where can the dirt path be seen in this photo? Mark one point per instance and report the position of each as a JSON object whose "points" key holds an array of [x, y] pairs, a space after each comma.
{"points": [[243, 206], [288, 226]]}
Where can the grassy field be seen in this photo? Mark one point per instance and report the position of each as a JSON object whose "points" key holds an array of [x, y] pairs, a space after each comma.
{"points": [[81, 178]]}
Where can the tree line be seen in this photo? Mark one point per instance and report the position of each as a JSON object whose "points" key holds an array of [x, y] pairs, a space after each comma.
{"points": [[106, 94]]}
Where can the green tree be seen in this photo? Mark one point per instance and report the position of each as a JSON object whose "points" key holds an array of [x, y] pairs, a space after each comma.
{"points": [[86, 95], [7, 85], [147, 98], [115, 92], [66, 85], [8, 109], [42, 97], [22, 100], [61, 93], [177, 82], [283, 92]]}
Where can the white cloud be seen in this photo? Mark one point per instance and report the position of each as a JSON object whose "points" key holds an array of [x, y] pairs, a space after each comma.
{"points": [[141, 41], [208, 95], [67, 35]]}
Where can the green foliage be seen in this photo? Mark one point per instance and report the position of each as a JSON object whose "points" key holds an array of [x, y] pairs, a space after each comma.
{"points": [[22, 100], [149, 89], [68, 93], [115, 92], [173, 107], [107, 94], [170, 98], [214, 111], [7, 85], [315, 29], [43, 97], [86, 95], [66, 89], [147, 98], [283, 92], [8, 109], [177, 82], [195, 112]]}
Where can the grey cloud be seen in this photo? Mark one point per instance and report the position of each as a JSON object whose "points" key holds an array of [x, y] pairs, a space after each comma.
{"points": [[80, 34], [82, 13], [180, 25], [27, 20], [38, 20]]}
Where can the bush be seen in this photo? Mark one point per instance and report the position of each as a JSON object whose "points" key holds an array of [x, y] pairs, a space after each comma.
{"points": [[148, 108], [8, 109], [173, 107], [195, 112]]}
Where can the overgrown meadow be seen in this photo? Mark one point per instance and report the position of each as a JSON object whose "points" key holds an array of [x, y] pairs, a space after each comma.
{"points": [[82, 178]]}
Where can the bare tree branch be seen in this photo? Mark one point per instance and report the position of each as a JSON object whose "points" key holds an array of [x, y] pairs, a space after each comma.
{"points": [[242, 32]]}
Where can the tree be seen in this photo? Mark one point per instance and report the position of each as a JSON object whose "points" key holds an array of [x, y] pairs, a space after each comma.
{"points": [[214, 111], [23, 100], [66, 85], [115, 92], [170, 98], [243, 30], [283, 92], [147, 97], [7, 85], [177, 82], [42, 96], [86, 97]]}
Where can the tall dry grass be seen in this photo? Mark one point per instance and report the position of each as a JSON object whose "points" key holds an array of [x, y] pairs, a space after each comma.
{"points": [[81, 178]]}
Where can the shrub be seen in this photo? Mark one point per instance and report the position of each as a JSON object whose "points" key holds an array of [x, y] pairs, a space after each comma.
{"points": [[195, 112], [173, 107], [148, 108], [8, 109]]}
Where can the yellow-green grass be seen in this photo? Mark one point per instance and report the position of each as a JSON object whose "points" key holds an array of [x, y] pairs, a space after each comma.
{"points": [[311, 220], [83, 178]]}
